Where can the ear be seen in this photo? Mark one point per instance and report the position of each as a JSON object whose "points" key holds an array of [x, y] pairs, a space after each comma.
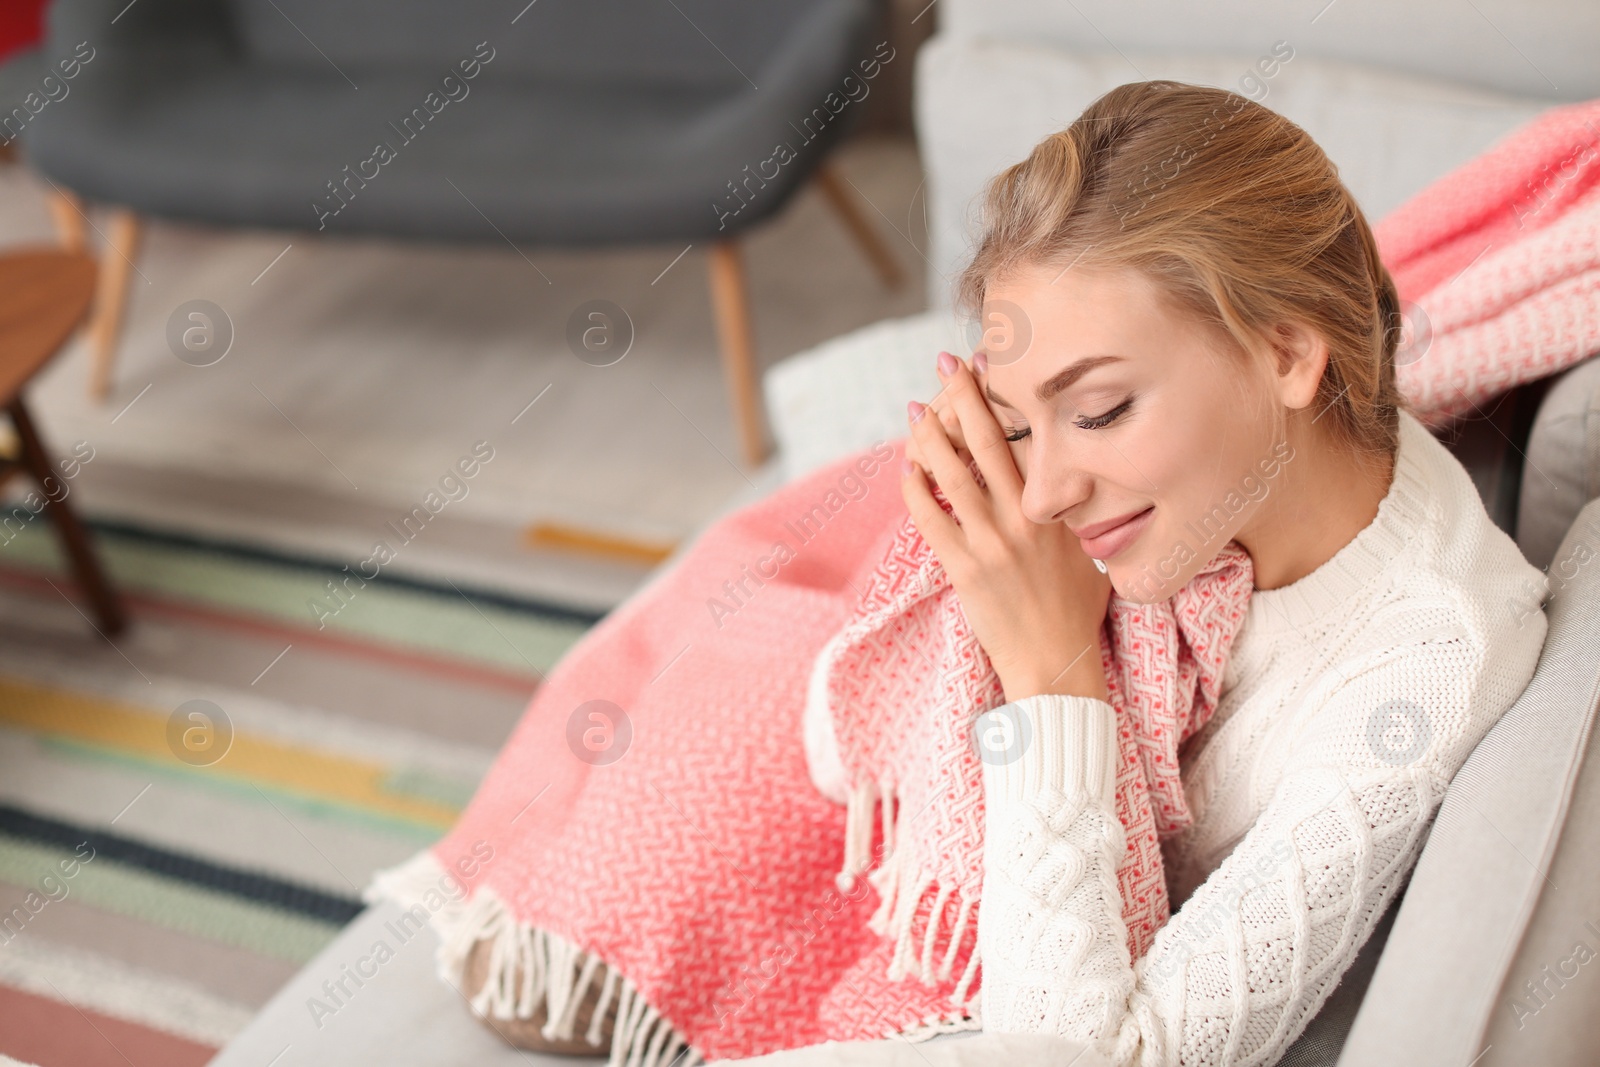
{"points": [[1302, 358]]}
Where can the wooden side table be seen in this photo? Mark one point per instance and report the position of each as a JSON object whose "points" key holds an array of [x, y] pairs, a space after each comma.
{"points": [[44, 295]]}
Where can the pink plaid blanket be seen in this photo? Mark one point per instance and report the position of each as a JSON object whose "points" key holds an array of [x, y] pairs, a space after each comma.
{"points": [[1498, 265]]}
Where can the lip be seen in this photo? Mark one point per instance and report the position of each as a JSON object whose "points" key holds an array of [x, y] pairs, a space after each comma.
{"points": [[1105, 539]]}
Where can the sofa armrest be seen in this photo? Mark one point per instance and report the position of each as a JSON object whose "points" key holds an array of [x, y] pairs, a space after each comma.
{"points": [[1487, 863]]}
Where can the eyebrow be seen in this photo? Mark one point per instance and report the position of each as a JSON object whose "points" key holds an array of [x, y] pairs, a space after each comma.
{"points": [[1059, 381]]}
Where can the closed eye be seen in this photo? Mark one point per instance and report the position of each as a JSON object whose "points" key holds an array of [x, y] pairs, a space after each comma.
{"points": [[1100, 421], [1094, 422]]}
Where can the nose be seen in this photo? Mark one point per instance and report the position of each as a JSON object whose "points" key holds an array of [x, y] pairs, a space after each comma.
{"points": [[1052, 485]]}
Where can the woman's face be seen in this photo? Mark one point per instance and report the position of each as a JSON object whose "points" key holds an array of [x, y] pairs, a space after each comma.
{"points": [[1120, 407]]}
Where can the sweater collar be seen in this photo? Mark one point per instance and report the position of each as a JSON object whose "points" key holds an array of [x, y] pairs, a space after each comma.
{"points": [[1401, 512]]}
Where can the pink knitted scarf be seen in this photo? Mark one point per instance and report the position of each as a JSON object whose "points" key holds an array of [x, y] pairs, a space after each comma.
{"points": [[651, 830], [905, 682]]}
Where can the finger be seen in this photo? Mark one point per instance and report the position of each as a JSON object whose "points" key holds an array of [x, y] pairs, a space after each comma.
{"points": [[914, 453], [984, 438], [949, 420], [950, 472], [932, 522]]}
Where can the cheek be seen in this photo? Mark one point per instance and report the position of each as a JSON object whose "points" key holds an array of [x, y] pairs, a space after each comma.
{"points": [[1195, 517], [1164, 464]]}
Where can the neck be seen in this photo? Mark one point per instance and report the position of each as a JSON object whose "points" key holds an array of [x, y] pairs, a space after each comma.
{"points": [[1322, 498]]}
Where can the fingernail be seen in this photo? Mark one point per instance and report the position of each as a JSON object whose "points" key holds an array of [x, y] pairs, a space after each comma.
{"points": [[947, 364], [980, 363], [907, 467], [915, 410]]}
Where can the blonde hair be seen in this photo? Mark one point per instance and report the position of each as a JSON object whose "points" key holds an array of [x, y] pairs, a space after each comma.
{"points": [[1233, 211]]}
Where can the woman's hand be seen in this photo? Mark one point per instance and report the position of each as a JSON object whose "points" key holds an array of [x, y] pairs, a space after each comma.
{"points": [[1035, 600]]}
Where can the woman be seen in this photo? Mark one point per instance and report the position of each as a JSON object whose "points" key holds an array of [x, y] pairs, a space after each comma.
{"points": [[1193, 343], [1197, 309]]}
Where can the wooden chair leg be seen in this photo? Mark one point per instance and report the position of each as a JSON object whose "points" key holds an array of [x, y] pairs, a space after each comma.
{"points": [[74, 537], [730, 299], [843, 201], [10, 455], [66, 210], [111, 298]]}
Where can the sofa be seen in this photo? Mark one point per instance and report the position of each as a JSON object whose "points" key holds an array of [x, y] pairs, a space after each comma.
{"points": [[1477, 964]]}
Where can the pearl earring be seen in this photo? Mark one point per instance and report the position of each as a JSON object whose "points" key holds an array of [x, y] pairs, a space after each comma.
{"points": [[1100, 565]]}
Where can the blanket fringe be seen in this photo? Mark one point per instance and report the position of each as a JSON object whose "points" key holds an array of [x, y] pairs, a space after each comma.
{"points": [[857, 835], [529, 966], [902, 884]]}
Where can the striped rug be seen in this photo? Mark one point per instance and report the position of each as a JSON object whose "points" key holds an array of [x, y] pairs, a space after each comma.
{"points": [[162, 874]]}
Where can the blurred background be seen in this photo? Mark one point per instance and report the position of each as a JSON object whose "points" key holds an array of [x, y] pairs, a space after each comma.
{"points": [[288, 348], [361, 356]]}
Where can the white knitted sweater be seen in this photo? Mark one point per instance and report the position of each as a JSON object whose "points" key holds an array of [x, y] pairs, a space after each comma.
{"points": [[1351, 698]]}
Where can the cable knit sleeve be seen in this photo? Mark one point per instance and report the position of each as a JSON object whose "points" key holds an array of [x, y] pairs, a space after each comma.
{"points": [[1237, 972]]}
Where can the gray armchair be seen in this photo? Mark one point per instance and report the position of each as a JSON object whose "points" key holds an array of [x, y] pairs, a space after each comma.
{"points": [[568, 122]]}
